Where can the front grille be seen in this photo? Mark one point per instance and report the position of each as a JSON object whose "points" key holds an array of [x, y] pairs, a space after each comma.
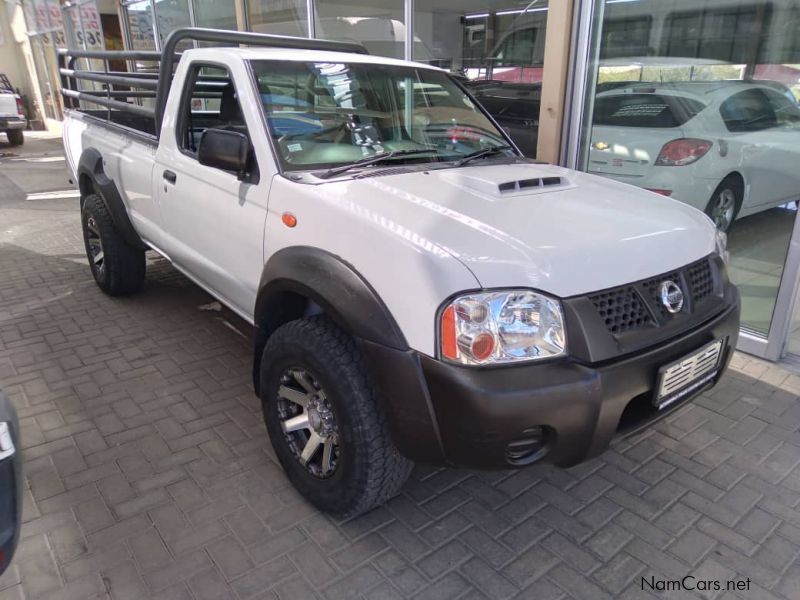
{"points": [[637, 306], [622, 309], [701, 280]]}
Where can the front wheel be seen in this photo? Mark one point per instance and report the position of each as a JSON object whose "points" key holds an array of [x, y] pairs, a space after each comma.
{"points": [[15, 137], [725, 203], [325, 423]]}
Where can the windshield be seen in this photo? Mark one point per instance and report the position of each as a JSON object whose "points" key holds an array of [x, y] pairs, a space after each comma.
{"points": [[324, 115]]}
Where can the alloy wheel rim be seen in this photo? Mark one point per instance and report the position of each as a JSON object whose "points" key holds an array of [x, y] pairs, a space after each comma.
{"points": [[308, 422], [723, 209], [96, 254]]}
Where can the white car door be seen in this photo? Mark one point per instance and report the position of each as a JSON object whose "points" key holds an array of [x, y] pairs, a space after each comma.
{"points": [[213, 221], [765, 133]]}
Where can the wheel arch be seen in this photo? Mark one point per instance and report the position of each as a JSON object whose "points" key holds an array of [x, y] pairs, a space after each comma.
{"points": [[738, 176], [301, 280], [92, 179]]}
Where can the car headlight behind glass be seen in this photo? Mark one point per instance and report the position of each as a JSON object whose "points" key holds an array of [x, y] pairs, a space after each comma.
{"points": [[487, 328], [721, 242]]}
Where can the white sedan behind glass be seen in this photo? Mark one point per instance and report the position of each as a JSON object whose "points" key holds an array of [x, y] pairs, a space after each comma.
{"points": [[729, 148]]}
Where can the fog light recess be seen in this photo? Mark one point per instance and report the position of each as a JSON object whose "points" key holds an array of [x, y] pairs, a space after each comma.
{"points": [[533, 444]]}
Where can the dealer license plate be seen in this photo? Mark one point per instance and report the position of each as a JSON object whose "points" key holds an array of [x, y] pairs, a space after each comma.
{"points": [[682, 377]]}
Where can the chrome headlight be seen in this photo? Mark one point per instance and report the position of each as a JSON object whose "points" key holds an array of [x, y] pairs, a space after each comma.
{"points": [[501, 327], [721, 243]]}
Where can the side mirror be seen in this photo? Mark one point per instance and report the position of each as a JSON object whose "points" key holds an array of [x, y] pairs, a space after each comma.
{"points": [[226, 150]]}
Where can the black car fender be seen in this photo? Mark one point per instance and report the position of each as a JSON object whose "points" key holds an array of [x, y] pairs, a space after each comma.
{"points": [[92, 179], [300, 281], [334, 286]]}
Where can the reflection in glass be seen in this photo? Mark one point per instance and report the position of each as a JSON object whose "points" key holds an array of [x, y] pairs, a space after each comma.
{"points": [[140, 24], [379, 26], [214, 14], [497, 49], [287, 17], [698, 101], [172, 14]]}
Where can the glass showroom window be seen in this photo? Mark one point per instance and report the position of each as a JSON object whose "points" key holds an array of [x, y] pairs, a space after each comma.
{"points": [[214, 14], [283, 17], [171, 15], [697, 100], [496, 47], [140, 25], [378, 24]]}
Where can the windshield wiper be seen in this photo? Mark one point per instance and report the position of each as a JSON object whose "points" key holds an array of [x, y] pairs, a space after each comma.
{"points": [[482, 154], [371, 160]]}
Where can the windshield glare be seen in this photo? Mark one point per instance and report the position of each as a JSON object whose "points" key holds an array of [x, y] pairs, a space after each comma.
{"points": [[324, 115]]}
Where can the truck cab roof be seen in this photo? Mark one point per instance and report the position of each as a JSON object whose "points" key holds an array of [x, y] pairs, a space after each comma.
{"points": [[295, 55]]}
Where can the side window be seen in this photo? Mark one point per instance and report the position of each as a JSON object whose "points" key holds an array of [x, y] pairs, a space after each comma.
{"points": [[787, 112], [750, 110], [209, 102], [626, 37], [518, 47]]}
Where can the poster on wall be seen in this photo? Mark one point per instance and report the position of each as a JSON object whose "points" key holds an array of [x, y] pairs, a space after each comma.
{"points": [[87, 26], [46, 16]]}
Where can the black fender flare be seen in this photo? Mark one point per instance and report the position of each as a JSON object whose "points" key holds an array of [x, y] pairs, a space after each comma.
{"points": [[335, 286], [345, 296], [92, 179]]}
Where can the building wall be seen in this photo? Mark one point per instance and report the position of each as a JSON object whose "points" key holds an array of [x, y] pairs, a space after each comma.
{"points": [[16, 60], [12, 59]]}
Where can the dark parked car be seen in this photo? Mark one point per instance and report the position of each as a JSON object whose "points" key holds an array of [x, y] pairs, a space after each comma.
{"points": [[10, 482], [515, 107]]}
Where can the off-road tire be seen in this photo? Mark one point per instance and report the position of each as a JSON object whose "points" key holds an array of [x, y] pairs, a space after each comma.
{"points": [[15, 137], [123, 266], [370, 470]]}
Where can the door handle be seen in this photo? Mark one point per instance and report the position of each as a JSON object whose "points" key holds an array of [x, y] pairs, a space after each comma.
{"points": [[170, 176]]}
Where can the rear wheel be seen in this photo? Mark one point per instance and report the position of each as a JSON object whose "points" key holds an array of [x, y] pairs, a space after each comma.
{"points": [[725, 203], [117, 267], [324, 421], [15, 137]]}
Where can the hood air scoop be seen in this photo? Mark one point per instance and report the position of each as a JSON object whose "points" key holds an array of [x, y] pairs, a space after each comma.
{"points": [[507, 181], [524, 185]]}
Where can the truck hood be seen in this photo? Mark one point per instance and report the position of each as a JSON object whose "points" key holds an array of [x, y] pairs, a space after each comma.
{"points": [[539, 226]]}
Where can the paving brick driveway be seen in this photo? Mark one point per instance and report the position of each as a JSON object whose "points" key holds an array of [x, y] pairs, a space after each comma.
{"points": [[150, 474]]}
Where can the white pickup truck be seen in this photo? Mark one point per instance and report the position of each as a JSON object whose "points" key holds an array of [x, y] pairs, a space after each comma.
{"points": [[12, 113], [419, 291]]}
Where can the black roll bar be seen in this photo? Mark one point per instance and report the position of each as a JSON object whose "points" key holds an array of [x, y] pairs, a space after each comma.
{"points": [[158, 85], [141, 111], [140, 82], [112, 54]]}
